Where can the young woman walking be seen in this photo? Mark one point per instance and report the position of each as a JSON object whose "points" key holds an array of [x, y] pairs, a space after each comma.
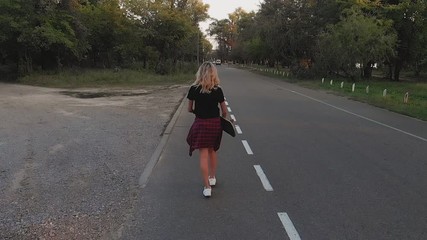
{"points": [[205, 95]]}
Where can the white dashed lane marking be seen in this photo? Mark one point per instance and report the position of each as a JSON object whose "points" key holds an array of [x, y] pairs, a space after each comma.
{"points": [[284, 218], [289, 226], [265, 183], [247, 147], [239, 131]]}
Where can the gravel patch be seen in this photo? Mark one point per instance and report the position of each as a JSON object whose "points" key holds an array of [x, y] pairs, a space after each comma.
{"points": [[70, 160]]}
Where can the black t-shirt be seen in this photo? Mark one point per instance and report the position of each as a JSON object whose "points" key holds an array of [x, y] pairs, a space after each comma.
{"points": [[206, 104]]}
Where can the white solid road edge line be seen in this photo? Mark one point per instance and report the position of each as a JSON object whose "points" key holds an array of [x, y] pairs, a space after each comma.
{"points": [[246, 145], [289, 226], [359, 116], [265, 183], [239, 131]]}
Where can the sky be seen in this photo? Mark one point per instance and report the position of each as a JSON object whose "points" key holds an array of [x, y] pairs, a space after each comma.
{"points": [[220, 9]]}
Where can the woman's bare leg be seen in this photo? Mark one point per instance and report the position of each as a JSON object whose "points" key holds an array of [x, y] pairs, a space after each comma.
{"points": [[204, 165], [212, 162]]}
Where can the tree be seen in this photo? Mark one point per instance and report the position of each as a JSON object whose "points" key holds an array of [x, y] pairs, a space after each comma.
{"points": [[14, 22], [38, 31], [357, 40], [409, 22], [49, 34], [170, 28], [274, 24], [222, 31], [108, 27], [243, 30]]}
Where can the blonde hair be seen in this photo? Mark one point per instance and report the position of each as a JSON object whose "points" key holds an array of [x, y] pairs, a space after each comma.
{"points": [[207, 77]]}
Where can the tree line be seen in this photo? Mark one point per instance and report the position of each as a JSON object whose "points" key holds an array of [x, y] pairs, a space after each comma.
{"points": [[310, 37], [55, 34], [328, 37]]}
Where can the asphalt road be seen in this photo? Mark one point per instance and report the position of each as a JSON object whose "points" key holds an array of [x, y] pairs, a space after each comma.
{"points": [[306, 165]]}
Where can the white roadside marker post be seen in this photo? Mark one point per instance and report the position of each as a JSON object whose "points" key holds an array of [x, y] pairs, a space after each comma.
{"points": [[367, 89], [385, 93], [331, 82], [406, 97], [353, 87], [342, 84]]}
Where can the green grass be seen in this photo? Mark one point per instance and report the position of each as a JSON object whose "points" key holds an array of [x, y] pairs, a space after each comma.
{"points": [[393, 101], [104, 78]]}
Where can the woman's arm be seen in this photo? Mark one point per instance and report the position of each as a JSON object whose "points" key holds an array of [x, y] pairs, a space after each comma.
{"points": [[223, 109], [190, 106]]}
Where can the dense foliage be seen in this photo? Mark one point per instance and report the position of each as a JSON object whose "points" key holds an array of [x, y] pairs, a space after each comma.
{"points": [[329, 37], [53, 34]]}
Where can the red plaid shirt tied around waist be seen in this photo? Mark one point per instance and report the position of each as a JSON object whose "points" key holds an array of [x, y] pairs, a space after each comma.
{"points": [[205, 133]]}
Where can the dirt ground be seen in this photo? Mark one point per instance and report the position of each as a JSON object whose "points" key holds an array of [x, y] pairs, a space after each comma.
{"points": [[70, 159]]}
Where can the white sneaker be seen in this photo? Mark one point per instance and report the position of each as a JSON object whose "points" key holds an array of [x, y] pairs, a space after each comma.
{"points": [[212, 181], [207, 192]]}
